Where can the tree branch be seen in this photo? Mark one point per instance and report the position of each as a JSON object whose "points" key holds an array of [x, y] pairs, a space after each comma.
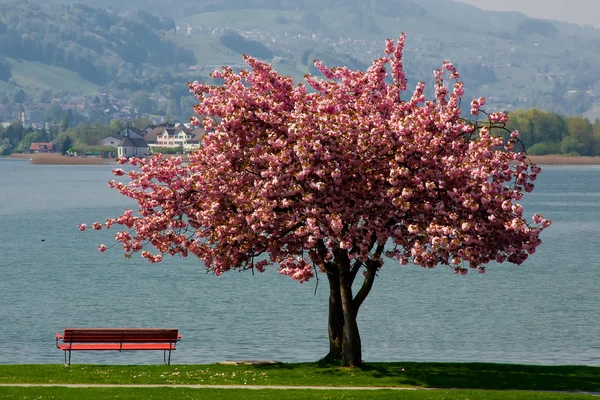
{"points": [[355, 269], [372, 267]]}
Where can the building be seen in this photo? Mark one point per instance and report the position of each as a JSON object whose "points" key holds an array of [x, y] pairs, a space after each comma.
{"points": [[185, 139], [115, 139], [41, 147], [195, 140], [132, 146], [149, 128]]}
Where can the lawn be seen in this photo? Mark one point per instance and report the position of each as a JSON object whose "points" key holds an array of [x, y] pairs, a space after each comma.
{"points": [[405, 374]]}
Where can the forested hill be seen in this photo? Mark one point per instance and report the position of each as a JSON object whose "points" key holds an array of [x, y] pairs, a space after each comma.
{"points": [[100, 45], [514, 61]]}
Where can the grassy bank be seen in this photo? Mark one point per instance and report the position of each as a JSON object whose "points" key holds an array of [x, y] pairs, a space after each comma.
{"points": [[428, 375]]}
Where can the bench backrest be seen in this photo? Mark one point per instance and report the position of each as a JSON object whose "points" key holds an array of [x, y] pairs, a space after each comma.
{"points": [[120, 335]]}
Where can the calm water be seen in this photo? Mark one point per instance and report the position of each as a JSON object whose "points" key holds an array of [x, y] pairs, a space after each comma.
{"points": [[546, 311]]}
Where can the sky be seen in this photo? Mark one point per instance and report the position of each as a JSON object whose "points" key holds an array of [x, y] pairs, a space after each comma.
{"points": [[577, 11]]}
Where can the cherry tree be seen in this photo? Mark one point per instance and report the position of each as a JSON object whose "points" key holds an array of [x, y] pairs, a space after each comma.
{"points": [[333, 177]]}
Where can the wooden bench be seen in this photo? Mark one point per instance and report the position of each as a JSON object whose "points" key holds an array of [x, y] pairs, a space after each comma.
{"points": [[119, 339]]}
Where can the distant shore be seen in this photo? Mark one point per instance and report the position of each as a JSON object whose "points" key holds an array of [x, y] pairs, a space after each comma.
{"points": [[564, 160], [58, 159]]}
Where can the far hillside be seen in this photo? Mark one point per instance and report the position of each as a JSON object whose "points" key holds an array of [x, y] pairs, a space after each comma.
{"points": [[513, 60], [79, 48], [155, 47]]}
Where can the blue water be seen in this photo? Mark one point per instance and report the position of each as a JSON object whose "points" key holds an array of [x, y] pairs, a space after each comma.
{"points": [[546, 311]]}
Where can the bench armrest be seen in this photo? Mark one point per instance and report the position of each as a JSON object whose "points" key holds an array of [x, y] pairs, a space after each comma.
{"points": [[58, 337], [178, 336]]}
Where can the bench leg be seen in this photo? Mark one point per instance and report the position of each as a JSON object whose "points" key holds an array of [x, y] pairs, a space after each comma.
{"points": [[169, 363], [68, 364]]}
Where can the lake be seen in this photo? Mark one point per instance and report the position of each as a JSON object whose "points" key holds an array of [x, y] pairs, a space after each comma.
{"points": [[546, 311]]}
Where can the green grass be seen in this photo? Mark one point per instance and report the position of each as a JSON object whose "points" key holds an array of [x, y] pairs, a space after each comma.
{"points": [[432, 375], [226, 394], [33, 77]]}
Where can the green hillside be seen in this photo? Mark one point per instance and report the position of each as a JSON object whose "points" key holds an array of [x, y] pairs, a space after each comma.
{"points": [[34, 77], [85, 48], [514, 61]]}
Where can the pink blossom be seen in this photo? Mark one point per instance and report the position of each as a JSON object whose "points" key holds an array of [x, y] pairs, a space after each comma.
{"points": [[475, 106], [413, 229], [82, 227], [208, 124], [195, 121], [517, 209], [330, 170], [102, 248], [389, 46], [498, 117]]}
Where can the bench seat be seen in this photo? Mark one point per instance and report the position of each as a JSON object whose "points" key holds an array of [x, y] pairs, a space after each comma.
{"points": [[116, 346], [118, 339]]}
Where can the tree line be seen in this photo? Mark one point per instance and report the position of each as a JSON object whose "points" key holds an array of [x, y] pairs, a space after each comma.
{"points": [[15, 138], [541, 132], [545, 133]]}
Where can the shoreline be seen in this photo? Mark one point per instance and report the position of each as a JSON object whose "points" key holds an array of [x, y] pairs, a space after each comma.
{"points": [[58, 159], [564, 160]]}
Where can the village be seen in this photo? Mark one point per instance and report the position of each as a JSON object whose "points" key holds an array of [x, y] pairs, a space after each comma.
{"points": [[175, 138]]}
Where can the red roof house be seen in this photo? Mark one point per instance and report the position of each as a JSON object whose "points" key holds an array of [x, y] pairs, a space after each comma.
{"points": [[41, 147]]}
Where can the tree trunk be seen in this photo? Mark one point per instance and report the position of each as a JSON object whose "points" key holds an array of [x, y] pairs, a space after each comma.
{"points": [[351, 345], [344, 338], [336, 318]]}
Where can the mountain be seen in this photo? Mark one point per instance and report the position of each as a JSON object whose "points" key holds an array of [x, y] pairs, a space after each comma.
{"points": [[513, 60], [88, 46]]}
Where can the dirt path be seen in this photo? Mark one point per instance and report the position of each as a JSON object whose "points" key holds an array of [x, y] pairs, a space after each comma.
{"points": [[257, 387]]}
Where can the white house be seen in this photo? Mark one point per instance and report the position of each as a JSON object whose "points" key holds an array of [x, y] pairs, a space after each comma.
{"points": [[132, 146], [185, 139]]}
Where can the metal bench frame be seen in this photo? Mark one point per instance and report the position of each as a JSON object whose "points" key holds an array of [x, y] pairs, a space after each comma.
{"points": [[106, 339]]}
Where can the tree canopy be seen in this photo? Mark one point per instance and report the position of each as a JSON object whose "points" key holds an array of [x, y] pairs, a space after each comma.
{"points": [[333, 180]]}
